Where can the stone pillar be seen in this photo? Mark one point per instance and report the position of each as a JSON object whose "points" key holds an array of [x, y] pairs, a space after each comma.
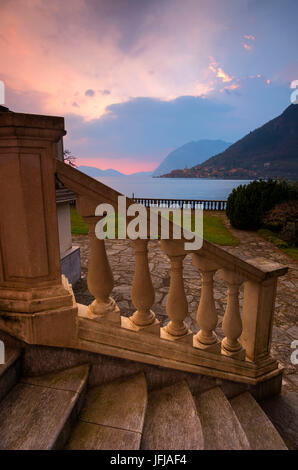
{"points": [[34, 305], [207, 318], [232, 324], [257, 318], [142, 291], [176, 306], [100, 279]]}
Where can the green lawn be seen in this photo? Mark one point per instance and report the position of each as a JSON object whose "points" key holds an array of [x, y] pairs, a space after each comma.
{"points": [[281, 244], [78, 225], [214, 229]]}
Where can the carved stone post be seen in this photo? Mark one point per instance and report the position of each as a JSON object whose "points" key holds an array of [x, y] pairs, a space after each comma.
{"points": [[206, 315], [176, 306], [257, 318], [142, 293], [34, 304], [232, 324], [100, 279]]}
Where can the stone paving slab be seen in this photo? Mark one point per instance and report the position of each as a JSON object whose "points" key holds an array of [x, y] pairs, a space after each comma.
{"points": [[121, 258]]}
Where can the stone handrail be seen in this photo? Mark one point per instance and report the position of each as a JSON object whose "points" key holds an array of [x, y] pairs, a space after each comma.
{"points": [[245, 350], [207, 205]]}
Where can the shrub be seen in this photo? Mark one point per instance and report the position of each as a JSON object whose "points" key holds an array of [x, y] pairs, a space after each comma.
{"points": [[248, 204], [283, 219]]}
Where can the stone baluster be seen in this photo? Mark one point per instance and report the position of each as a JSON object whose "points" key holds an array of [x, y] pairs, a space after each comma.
{"points": [[100, 280], [176, 306], [142, 293], [206, 315], [232, 324]]}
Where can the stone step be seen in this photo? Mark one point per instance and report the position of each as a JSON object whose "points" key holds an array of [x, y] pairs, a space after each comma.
{"points": [[112, 417], [171, 420], [282, 410], [221, 427], [39, 412], [259, 430], [10, 371]]}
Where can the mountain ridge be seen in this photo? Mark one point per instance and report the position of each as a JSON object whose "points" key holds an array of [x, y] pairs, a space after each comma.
{"points": [[97, 172], [189, 154], [269, 151]]}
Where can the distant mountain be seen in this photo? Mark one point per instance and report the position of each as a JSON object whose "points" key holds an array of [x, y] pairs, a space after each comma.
{"points": [[96, 172], [267, 152], [141, 173], [190, 154]]}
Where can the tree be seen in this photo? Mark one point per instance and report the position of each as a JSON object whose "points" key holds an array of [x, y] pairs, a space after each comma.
{"points": [[248, 204], [69, 158]]}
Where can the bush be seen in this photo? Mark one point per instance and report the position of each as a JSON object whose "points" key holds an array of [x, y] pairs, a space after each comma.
{"points": [[248, 204], [283, 219]]}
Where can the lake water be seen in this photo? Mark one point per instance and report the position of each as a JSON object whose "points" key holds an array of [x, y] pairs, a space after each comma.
{"points": [[176, 188]]}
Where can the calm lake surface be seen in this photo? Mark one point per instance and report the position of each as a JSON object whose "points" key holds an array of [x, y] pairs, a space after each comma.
{"points": [[176, 188]]}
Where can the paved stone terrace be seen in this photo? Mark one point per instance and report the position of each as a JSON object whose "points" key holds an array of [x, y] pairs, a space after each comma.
{"points": [[121, 258]]}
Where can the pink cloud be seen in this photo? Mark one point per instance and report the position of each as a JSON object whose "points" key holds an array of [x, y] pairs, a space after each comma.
{"points": [[213, 66], [231, 87], [64, 51], [124, 165], [224, 76]]}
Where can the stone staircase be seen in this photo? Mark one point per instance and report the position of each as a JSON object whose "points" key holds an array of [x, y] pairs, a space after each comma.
{"points": [[59, 411]]}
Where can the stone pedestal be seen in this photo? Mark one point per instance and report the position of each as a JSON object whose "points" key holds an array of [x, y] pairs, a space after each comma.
{"points": [[34, 304]]}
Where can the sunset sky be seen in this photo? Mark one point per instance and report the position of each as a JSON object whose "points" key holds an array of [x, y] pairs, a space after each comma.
{"points": [[135, 79]]}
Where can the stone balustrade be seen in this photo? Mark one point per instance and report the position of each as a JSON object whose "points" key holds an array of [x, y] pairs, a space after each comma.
{"points": [[245, 348], [234, 345], [38, 308], [207, 205]]}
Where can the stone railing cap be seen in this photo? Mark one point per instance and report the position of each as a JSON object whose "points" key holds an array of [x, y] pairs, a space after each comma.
{"points": [[9, 119], [267, 266]]}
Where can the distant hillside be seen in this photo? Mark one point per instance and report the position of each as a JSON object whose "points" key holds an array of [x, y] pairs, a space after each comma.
{"points": [[269, 151], [96, 172], [141, 173], [190, 154]]}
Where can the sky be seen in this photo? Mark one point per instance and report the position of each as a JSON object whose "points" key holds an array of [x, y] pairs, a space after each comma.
{"points": [[136, 79]]}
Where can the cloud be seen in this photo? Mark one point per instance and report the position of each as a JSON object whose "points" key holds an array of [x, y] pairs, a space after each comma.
{"points": [[66, 48], [89, 93], [142, 131], [160, 50], [214, 67], [145, 129], [247, 47], [229, 88], [224, 76]]}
